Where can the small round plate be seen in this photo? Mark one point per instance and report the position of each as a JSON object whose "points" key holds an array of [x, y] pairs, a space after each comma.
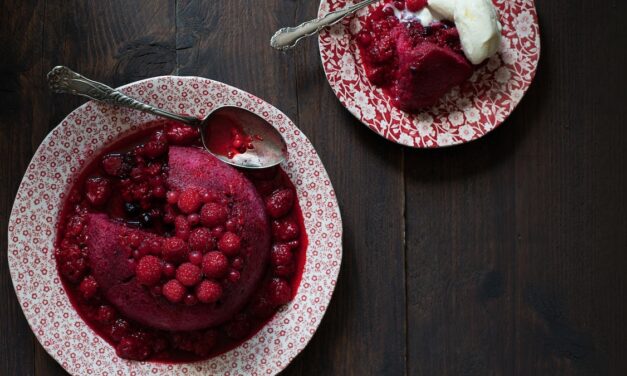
{"points": [[56, 165], [462, 115]]}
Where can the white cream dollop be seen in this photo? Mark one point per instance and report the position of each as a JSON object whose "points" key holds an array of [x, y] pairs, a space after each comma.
{"points": [[477, 23], [424, 16]]}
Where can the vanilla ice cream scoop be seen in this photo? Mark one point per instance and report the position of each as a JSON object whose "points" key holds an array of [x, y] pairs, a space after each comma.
{"points": [[477, 23]]}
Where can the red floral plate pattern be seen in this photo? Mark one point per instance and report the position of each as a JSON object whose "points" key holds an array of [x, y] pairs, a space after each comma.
{"points": [[462, 115], [56, 165]]}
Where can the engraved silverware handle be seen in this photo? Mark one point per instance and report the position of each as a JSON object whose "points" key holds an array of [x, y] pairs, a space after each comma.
{"points": [[63, 80], [288, 37]]}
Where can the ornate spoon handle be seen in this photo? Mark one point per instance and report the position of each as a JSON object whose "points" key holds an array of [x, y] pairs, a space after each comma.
{"points": [[63, 80], [287, 37]]}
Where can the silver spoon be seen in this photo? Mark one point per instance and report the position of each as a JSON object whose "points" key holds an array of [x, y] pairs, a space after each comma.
{"points": [[288, 37], [269, 148]]}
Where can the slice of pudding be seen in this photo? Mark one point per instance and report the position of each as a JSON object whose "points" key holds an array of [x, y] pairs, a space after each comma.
{"points": [[417, 51], [426, 71], [173, 290]]}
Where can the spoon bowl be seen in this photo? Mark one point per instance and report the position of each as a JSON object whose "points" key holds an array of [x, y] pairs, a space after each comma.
{"points": [[268, 146], [232, 134]]}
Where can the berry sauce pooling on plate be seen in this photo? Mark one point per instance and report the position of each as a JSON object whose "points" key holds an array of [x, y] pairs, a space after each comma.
{"points": [[185, 248]]}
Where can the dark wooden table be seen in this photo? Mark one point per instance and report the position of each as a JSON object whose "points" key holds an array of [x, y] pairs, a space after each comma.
{"points": [[503, 256]]}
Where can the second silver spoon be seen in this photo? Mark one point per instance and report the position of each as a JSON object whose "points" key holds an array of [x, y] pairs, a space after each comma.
{"points": [[288, 37]]}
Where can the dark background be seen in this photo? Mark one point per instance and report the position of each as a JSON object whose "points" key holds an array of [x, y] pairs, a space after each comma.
{"points": [[503, 256]]}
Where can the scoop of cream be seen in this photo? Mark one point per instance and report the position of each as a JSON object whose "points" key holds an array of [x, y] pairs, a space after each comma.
{"points": [[477, 23]]}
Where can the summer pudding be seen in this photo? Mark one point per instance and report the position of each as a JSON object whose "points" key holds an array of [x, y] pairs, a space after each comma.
{"points": [[418, 50], [170, 254]]}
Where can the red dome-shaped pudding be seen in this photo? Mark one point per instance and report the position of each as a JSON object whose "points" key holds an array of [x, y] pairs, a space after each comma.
{"points": [[172, 255], [110, 248]]}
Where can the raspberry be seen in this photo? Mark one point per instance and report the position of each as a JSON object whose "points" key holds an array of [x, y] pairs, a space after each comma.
{"points": [[180, 134], [188, 274], [74, 226], [152, 246], [133, 348], [174, 250], [281, 254], [71, 262], [97, 190], [153, 171], [284, 270], [213, 214], [139, 152], [156, 146], [215, 264], [173, 291], [134, 239], [293, 244], [280, 203], [201, 240], [415, 5], [209, 196], [229, 244], [119, 329], [208, 292], [181, 227], [105, 314], [286, 229], [115, 165], [142, 250], [189, 200], [279, 292], [88, 287], [148, 270]]}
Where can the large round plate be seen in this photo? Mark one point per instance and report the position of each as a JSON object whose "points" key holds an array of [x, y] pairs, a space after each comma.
{"points": [[57, 163], [465, 113]]}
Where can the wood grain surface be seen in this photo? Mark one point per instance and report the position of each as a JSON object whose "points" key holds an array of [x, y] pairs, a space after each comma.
{"points": [[505, 256]]}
